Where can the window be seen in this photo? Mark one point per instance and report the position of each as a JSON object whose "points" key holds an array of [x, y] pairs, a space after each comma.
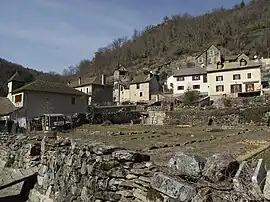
{"points": [[180, 78], [236, 77], [249, 75], [180, 87], [195, 77], [219, 78], [219, 88], [18, 98], [87, 90], [196, 87], [211, 52], [200, 60], [243, 62], [236, 88], [122, 73], [81, 90], [138, 86], [205, 78], [210, 60], [73, 100], [141, 94], [122, 88], [250, 87]]}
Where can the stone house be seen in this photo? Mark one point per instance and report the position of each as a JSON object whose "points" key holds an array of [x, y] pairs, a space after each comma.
{"points": [[40, 97], [143, 87], [236, 79], [188, 78], [211, 55], [100, 93], [121, 81]]}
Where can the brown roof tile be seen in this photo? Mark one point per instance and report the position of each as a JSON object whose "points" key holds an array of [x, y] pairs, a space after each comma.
{"points": [[51, 87]]}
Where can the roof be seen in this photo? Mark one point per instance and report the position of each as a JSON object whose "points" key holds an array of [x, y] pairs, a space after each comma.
{"points": [[85, 81], [50, 87], [190, 71], [233, 66], [16, 77], [230, 57], [6, 106], [141, 78]]}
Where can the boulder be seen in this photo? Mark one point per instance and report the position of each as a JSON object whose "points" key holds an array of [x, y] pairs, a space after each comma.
{"points": [[187, 164], [172, 187], [219, 167]]}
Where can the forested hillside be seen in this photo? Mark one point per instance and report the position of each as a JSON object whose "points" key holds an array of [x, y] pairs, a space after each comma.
{"points": [[7, 69], [242, 28]]}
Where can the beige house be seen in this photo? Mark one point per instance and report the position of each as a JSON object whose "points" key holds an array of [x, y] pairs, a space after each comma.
{"points": [[99, 92], [142, 87], [237, 79], [43, 97]]}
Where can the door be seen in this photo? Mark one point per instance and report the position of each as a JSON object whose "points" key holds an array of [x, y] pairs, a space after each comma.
{"points": [[250, 87], [236, 88]]}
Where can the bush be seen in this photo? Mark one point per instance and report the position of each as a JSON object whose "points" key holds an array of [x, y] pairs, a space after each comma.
{"points": [[227, 102], [191, 97]]}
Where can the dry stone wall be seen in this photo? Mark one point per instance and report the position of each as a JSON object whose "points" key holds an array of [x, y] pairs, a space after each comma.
{"points": [[222, 117], [69, 171]]}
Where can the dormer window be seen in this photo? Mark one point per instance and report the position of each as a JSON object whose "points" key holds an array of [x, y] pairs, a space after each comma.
{"points": [[220, 65], [243, 62]]}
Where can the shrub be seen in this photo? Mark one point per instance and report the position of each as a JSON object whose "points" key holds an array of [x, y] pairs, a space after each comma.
{"points": [[191, 97]]}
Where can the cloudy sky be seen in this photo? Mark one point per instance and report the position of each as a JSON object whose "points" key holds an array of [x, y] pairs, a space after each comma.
{"points": [[50, 35]]}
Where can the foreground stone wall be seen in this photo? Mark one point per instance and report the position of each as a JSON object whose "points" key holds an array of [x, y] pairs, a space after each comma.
{"points": [[69, 171]]}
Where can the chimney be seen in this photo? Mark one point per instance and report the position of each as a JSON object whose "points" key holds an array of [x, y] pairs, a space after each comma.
{"points": [[150, 74], [103, 79], [79, 81]]}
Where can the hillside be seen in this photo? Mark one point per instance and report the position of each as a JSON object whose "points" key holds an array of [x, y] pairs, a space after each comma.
{"points": [[242, 28], [7, 69]]}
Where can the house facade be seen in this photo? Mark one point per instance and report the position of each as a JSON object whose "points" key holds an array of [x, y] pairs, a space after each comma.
{"points": [[142, 88], [43, 97], [188, 78], [211, 55], [99, 92], [235, 79]]}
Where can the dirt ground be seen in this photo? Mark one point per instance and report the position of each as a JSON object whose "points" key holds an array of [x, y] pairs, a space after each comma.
{"points": [[162, 141]]}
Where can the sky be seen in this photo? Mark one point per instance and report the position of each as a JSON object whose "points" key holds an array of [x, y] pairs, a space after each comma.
{"points": [[50, 35]]}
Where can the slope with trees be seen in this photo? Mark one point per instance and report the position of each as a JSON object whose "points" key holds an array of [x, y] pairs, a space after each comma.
{"points": [[244, 28]]}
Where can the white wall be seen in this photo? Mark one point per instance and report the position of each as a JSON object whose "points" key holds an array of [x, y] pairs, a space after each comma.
{"points": [[228, 80], [170, 81], [187, 83]]}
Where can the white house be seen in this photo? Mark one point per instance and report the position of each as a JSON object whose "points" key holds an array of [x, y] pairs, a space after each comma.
{"points": [[43, 97], [188, 78]]}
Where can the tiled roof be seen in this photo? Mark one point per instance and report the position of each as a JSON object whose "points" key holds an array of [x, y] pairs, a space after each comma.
{"points": [[233, 65], [141, 78], [16, 77], [50, 87], [6, 106], [85, 81], [230, 57], [189, 71]]}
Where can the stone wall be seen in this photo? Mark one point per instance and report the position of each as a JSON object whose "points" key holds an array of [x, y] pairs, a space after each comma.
{"points": [[222, 117], [69, 171]]}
